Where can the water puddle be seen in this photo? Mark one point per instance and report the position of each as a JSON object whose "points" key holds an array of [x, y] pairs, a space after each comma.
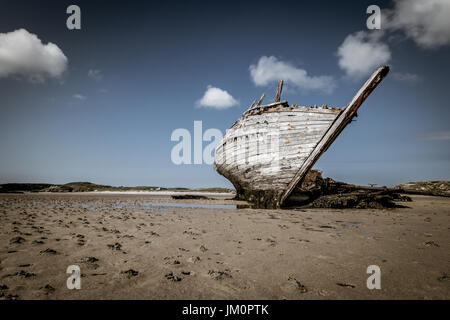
{"points": [[93, 205], [189, 205]]}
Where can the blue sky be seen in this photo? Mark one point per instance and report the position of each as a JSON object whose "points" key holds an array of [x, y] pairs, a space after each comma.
{"points": [[136, 71]]}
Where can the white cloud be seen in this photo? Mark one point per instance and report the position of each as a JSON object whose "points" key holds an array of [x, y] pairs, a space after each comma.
{"points": [[95, 74], [361, 53], [426, 22], [23, 54], [270, 69], [438, 136], [217, 98], [406, 77], [79, 96]]}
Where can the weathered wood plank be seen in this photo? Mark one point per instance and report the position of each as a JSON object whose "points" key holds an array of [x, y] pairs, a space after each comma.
{"points": [[261, 99], [251, 106]]}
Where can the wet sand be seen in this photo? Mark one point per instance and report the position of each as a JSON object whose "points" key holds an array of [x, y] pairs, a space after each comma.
{"points": [[129, 247]]}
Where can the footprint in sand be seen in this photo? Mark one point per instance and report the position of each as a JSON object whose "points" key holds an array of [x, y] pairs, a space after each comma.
{"points": [[9, 296], [295, 285], [47, 289], [49, 251], [130, 273], [346, 285], [90, 262], [220, 275], [22, 274], [172, 277], [431, 244], [25, 265], [444, 277], [194, 259], [116, 246]]}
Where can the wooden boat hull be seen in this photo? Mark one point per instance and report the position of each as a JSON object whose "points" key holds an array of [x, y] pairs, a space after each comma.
{"points": [[268, 151], [264, 150]]}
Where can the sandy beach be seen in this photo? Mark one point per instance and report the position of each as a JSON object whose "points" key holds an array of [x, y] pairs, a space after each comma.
{"points": [[132, 246]]}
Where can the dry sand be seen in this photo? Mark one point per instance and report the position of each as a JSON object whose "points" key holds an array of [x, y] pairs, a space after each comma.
{"points": [[128, 249]]}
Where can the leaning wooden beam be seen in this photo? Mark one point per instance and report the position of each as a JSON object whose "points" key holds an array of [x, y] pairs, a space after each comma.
{"points": [[261, 99], [279, 89], [251, 106], [344, 118], [273, 104]]}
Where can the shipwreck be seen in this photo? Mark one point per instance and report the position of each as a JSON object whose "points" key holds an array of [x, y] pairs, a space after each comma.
{"points": [[269, 150]]}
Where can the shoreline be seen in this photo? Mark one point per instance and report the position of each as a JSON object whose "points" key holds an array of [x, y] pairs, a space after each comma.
{"points": [[154, 193]]}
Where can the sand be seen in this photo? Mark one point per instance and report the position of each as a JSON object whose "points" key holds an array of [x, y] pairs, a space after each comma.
{"points": [[129, 249]]}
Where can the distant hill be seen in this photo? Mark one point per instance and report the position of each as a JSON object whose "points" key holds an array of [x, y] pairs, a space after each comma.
{"points": [[90, 187], [23, 187], [433, 188]]}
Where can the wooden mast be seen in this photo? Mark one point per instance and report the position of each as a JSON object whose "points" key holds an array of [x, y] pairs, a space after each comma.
{"points": [[279, 89]]}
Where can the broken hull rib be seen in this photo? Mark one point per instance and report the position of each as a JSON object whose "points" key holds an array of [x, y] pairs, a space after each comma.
{"points": [[269, 150]]}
